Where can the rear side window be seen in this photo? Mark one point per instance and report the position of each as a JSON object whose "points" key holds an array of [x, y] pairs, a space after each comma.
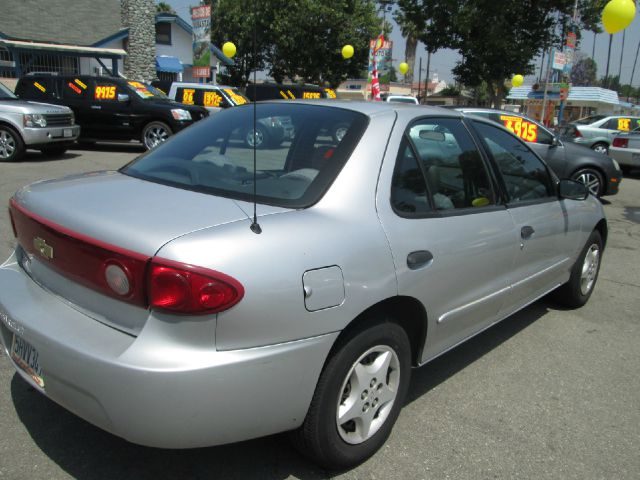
{"points": [[297, 156], [622, 124], [37, 88], [525, 176], [449, 163], [76, 88]]}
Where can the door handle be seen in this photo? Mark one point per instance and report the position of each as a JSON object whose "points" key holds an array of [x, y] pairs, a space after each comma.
{"points": [[527, 232], [419, 259]]}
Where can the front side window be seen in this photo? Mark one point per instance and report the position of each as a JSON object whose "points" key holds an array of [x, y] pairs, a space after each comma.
{"points": [[215, 155], [525, 176], [77, 88]]}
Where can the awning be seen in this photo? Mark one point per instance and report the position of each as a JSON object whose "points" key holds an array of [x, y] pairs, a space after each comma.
{"points": [[166, 63], [59, 48]]}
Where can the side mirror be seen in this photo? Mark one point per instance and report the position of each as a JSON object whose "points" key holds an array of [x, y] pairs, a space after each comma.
{"points": [[123, 98], [556, 141], [572, 190]]}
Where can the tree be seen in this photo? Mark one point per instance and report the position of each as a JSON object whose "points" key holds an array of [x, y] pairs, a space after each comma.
{"points": [[584, 71], [410, 32], [296, 39], [494, 40], [164, 7]]}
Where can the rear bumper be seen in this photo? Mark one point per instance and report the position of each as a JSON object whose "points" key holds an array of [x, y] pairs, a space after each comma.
{"points": [[167, 387]]}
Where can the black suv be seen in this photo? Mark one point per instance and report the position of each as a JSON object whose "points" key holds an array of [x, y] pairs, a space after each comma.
{"points": [[112, 108]]}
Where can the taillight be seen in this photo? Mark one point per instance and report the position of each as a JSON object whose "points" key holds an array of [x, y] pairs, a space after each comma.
{"points": [[576, 133], [183, 288], [621, 142]]}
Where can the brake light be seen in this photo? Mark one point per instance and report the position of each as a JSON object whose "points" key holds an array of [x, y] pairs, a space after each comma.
{"points": [[621, 142], [576, 133], [183, 288]]}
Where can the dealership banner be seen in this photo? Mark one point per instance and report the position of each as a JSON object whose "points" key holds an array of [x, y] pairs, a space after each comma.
{"points": [[382, 56], [201, 21]]}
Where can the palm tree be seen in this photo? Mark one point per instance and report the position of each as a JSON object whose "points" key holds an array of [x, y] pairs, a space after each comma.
{"points": [[410, 32]]}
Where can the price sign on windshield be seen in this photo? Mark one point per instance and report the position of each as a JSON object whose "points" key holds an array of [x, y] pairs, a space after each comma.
{"points": [[527, 131]]}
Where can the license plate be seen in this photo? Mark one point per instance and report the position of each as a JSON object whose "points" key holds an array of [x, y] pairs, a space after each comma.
{"points": [[67, 132], [26, 357]]}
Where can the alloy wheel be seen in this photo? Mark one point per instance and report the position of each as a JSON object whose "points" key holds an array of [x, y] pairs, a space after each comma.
{"points": [[589, 269], [7, 144]]}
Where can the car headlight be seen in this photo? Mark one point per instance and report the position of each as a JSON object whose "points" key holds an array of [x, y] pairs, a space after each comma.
{"points": [[180, 114], [35, 120]]}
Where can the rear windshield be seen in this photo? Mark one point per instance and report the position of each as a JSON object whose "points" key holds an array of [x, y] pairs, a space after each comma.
{"points": [[300, 151]]}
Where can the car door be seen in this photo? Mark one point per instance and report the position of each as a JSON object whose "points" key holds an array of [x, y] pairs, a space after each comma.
{"points": [[452, 241], [547, 236], [112, 110], [77, 93]]}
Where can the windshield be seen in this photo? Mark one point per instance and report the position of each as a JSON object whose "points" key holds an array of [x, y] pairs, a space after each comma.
{"points": [[6, 94], [145, 90], [299, 154], [589, 120]]}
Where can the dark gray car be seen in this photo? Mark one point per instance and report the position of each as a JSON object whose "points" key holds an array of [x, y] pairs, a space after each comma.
{"points": [[599, 172]]}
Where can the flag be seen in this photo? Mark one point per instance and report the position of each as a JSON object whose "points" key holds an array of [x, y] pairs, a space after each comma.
{"points": [[375, 84]]}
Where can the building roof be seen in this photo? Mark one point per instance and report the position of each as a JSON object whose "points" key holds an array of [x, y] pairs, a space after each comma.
{"points": [[584, 94], [59, 21], [77, 49]]}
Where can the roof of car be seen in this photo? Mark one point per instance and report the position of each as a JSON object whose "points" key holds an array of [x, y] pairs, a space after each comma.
{"points": [[200, 85]]}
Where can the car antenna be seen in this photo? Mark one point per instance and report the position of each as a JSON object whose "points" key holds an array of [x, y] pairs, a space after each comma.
{"points": [[255, 226]]}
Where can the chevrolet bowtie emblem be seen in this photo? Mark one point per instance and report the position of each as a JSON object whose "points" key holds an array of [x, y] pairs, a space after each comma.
{"points": [[41, 246]]}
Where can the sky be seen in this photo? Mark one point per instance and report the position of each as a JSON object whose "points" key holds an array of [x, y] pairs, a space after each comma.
{"points": [[443, 61]]}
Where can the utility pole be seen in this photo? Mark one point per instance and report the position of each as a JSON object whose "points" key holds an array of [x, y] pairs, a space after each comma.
{"points": [[624, 32], [419, 77], [426, 80], [606, 74], [633, 70]]}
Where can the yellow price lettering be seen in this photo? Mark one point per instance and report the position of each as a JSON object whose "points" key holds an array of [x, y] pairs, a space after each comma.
{"points": [[187, 96], [623, 124], [105, 92], [212, 99], [39, 87], [310, 95], [532, 133]]}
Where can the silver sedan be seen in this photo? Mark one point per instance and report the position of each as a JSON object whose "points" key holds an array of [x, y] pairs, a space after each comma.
{"points": [[208, 293], [625, 148]]}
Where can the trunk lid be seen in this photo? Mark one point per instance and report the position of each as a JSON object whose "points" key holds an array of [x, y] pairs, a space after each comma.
{"points": [[71, 228]]}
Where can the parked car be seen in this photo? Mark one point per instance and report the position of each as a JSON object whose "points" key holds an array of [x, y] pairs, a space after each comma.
{"points": [[153, 303], [30, 125], [600, 173], [112, 108], [625, 148], [269, 132], [399, 98], [597, 131]]}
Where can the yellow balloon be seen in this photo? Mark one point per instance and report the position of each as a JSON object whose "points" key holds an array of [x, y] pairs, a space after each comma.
{"points": [[517, 80], [229, 49], [403, 67], [347, 51], [618, 15]]}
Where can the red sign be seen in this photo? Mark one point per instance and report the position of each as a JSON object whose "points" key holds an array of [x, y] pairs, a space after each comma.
{"points": [[571, 40], [200, 71]]}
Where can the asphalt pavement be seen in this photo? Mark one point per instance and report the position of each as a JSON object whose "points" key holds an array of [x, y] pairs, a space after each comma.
{"points": [[546, 394]]}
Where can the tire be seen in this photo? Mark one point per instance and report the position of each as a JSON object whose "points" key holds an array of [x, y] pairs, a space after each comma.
{"points": [[600, 147], [155, 133], [584, 274], [592, 179], [324, 437], [54, 150], [11, 145], [261, 137]]}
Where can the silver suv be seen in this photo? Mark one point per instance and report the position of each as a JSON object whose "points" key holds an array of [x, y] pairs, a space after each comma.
{"points": [[597, 131], [48, 128]]}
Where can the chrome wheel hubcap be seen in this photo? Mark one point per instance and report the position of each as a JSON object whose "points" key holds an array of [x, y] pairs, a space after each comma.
{"points": [[7, 145], [367, 394], [601, 149], [591, 181], [255, 137], [154, 136], [589, 269]]}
